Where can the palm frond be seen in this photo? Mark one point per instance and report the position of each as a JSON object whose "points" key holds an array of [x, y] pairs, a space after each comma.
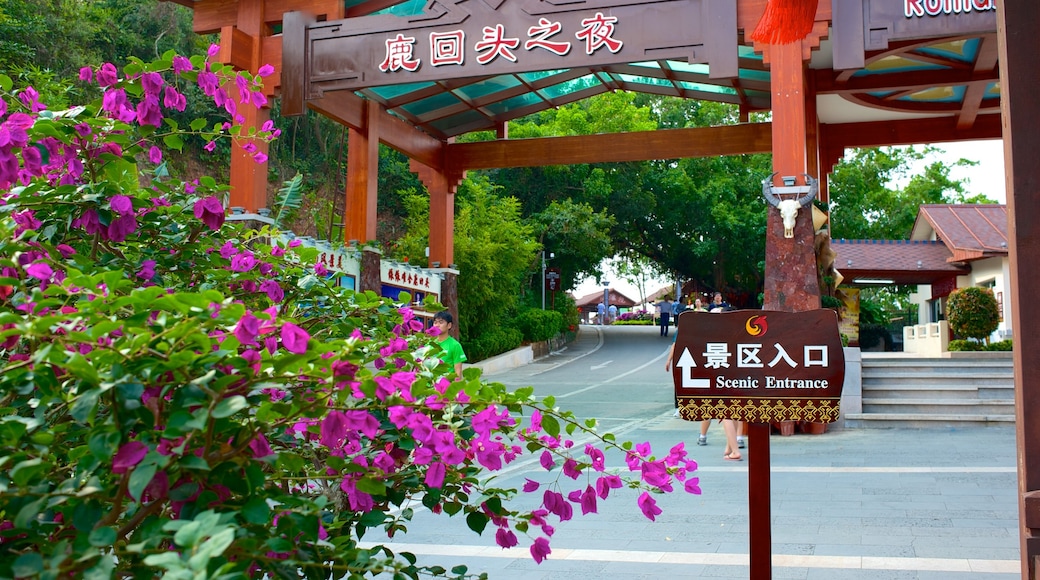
{"points": [[290, 198]]}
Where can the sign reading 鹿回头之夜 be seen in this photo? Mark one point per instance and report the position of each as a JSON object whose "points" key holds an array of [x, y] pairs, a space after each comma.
{"points": [[759, 365]]}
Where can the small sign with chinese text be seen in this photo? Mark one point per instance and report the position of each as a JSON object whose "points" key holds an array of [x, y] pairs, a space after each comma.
{"points": [[759, 365]]}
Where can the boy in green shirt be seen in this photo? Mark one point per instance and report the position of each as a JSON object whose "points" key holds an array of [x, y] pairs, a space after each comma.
{"points": [[452, 350]]}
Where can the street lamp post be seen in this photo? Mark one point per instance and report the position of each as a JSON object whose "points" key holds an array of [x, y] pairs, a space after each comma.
{"points": [[551, 256]]}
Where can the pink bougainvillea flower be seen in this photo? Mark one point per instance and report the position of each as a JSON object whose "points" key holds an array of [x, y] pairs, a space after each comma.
{"points": [[247, 329], [181, 64], [155, 155], [121, 227], [107, 75], [540, 549], [547, 460], [531, 486], [128, 456], [435, 474], [243, 261], [152, 83], [596, 456], [505, 537], [260, 447], [40, 271], [213, 50], [66, 250], [121, 204], [210, 146], [147, 271], [273, 289], [588, 501], [265, 71], [605, 483], [693, 485], [294, 338], [86, 74], [570, 468], [113, 100], [210, 211], [148, 111], [648, 506], [655, 473]]}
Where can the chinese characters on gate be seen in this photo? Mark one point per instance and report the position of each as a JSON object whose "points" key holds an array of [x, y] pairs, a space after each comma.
{"points": [[449, 48]]}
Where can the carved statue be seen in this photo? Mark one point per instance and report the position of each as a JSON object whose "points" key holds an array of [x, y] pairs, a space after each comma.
{"points": [[789, 207]]}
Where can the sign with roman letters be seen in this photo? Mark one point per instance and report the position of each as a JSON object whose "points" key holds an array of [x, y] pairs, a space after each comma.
{"points": [[758, 365]]}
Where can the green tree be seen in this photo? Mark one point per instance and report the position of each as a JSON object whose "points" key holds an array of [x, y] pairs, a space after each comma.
{"points": [[973, 312], [494, 251], [578, 237]]}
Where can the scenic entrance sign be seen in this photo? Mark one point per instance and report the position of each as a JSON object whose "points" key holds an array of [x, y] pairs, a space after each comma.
{"points": [[759, 366], [474, 38]]}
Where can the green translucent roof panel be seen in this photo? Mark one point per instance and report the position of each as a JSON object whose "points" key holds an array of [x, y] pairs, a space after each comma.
{"points": [[518, 102], [754, 75], [703, 88], [538, 75], [407, 8], [487, 87], [391, 92], [698, 69], [645, 80], [425, 106], [466, 118], [571, 86]]}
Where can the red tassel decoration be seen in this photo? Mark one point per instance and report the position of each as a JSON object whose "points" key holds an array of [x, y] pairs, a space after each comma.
{"points": [[785, 21]]}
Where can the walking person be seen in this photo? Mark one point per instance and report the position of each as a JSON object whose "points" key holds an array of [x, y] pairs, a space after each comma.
{"points": [[664, 311]]}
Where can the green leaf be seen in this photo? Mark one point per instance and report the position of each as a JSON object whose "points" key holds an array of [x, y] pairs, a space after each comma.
{"points": [[5, 83], [198, 124], [140, 478], [27, 565], [27, 472], [229, 406], [371, 486], [372, 519], [256, 511], [174, 142], [550, 425], [29, 512], [477, 522], [101, 537]]}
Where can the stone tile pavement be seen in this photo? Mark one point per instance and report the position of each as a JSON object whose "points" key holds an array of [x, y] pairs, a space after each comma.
{"points": [[846, 505]]}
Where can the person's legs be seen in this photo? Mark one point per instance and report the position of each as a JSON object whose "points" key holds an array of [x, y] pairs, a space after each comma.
{"points": [[703, 438], [730, 427], [741, 430]]}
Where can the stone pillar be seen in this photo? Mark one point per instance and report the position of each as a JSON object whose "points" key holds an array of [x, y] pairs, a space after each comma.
{"points": [[371, 262]]}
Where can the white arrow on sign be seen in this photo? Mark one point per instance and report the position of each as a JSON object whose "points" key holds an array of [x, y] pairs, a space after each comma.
{"points": [[599, 366], [685, 365]]}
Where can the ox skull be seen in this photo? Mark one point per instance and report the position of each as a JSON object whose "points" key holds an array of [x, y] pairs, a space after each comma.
{"points": [[789, 207]]}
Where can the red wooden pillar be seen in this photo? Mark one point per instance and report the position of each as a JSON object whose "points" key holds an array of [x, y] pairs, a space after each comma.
{"points": [[362, 195], [441, 187], [241, 45], [1018, 34], [362, 178]]}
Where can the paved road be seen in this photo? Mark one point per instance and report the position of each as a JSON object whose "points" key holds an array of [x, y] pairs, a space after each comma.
{"points": [[851, 504]]}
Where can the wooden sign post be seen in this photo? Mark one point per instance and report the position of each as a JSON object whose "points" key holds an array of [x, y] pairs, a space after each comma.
{"points": [[759, 366]]}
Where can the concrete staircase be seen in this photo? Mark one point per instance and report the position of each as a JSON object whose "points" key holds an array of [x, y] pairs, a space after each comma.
{"points": [[963, 390]]}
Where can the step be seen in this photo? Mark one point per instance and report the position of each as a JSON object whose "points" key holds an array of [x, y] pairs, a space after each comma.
{"points": [[944, 391], [924, 420], [939, 406]]}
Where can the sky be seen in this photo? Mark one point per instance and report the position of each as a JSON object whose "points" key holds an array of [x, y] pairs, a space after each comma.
{"points": [[986, 178]]}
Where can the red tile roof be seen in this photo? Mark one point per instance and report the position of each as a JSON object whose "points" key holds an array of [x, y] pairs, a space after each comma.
{"points": [[971, 231], [902, 261], [616, 298]]}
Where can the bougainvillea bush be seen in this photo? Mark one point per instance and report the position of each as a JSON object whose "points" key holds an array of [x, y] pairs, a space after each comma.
{"points": [[186, 398]]}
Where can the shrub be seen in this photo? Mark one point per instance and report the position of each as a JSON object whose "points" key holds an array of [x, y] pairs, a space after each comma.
{"points": [[972, 312], [492, 342], [186, 398], [870, 335], [537, 325], [1000, 346], [966, 346]]}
